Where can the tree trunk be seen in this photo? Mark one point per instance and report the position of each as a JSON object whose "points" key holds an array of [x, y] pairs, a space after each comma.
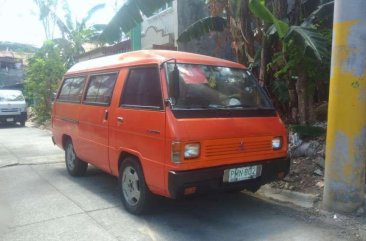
{"points": [[246, 21], [310, 108], [279, 8], [293, 100], [295, 14], [301, 97], [279, 11], [264, 61]]}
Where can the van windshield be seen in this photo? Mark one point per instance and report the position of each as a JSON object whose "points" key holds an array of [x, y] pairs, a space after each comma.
{"points": [[11, 95], [214, 87]]}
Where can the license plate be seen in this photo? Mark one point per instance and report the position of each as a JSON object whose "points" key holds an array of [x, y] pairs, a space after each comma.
{"points": [[9, 119], [242, 173]]}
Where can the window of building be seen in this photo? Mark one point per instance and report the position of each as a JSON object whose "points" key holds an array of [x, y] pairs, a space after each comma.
{"points": [[100, 89], [72, 89], [142, 89]]}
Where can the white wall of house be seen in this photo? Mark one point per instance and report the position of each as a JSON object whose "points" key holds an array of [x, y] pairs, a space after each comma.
{"points": [[161, 28]]}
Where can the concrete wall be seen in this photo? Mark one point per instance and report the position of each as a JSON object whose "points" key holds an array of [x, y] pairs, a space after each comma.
{"points": [[161, 28]]}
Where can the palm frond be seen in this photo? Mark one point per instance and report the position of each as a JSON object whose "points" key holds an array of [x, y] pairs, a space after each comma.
{"points": [[128, 16], [323, 12], [202, 27], [68, 15], [310, 39], [90, 13], [258, 8]]}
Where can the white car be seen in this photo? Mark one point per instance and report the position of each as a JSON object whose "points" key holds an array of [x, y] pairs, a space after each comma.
{"points": [[12, 107]]}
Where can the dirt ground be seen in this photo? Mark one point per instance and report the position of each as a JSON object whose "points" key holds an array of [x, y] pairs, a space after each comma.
{"points": [[302, 177]]}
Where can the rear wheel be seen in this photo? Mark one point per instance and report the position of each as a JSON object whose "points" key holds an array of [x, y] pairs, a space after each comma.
{"points": [[74, 165], [134, 191]]}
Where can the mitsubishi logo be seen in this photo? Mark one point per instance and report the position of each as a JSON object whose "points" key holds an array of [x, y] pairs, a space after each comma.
{"points": [[242, 145]]}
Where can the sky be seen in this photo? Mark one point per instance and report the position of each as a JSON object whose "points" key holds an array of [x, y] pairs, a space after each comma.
{"points": [[19, 21]]}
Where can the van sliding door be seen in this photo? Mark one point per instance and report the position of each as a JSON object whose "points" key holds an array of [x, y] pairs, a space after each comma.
{"points": [[94, 118]]}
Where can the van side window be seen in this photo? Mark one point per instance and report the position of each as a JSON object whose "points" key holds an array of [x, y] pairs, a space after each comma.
{"points": [[72, 89], [100, 89], [142, 89]]}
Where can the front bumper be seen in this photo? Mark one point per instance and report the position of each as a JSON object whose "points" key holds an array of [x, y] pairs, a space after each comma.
{"points": [[22, 116], [212, 178]]}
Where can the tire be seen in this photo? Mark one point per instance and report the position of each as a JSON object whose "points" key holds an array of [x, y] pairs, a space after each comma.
{"points": [[74, 165], [22, 123], [135, 194]]}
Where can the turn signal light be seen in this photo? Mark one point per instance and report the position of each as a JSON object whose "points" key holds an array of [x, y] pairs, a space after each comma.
{"points": [[190, 190]]}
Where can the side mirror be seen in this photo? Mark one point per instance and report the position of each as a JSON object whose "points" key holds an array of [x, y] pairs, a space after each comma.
{"points": [[174, 84]]}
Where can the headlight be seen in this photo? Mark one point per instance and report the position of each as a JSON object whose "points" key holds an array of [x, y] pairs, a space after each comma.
{"points": [[277, 143], [191, 151]]}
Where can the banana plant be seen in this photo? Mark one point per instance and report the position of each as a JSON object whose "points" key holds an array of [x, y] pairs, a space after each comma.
{"points": [[301, 45], [304, 36], [202, 27], [232, 16], [74, 33]]}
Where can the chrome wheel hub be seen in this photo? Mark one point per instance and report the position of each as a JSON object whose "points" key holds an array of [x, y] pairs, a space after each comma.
{"points": [[130, 186], [70, 157]]}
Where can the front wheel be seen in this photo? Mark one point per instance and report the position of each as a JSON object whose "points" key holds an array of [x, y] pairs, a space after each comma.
{"points": [[74, 165], [134, 191]]}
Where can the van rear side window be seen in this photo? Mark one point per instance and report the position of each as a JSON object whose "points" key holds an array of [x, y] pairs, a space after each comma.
{"points": [[142, 89], [100, 89], [72, 89]]}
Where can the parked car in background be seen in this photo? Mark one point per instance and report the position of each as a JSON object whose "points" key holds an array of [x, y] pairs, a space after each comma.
{"points": [[169, 123], [12, 107]]}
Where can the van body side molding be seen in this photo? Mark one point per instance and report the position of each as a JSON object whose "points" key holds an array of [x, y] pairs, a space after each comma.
{"points": [[73, 121], [153, 131]]}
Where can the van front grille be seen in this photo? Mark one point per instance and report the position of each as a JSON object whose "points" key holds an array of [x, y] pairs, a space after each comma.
{"points": [[237, 147]]}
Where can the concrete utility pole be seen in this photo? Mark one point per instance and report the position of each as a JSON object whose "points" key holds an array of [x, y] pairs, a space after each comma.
{"points": [[346, 136]]}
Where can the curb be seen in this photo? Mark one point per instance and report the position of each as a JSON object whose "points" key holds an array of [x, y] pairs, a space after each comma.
{"points": [[299, 199]]}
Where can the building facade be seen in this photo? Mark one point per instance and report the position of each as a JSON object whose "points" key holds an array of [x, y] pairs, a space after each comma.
{"points": [[162, 29]]}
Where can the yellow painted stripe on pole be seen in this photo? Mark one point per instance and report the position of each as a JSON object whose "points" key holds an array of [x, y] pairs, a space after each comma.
{"points": [[347, 97]]}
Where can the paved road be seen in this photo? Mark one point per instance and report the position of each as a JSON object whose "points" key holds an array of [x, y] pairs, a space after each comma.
{"points": [[39, 201]]}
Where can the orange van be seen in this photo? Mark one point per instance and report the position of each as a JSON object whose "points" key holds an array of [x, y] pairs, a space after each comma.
{"points": [[169, 123]]}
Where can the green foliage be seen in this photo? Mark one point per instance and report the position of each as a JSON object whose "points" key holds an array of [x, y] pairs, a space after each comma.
{"points": [[304, 37], [320, 15], [280, 90], [308, 38], [306, 131], [44, 72], [258, 8], [74, 33]]}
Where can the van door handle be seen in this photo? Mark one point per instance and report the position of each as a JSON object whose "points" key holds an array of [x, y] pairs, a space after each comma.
{"points": [[106, 115], [153, 131], [120, 119]]}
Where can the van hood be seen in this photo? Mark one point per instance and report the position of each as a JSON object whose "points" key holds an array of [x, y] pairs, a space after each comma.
{"points": [[222, 128]]}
